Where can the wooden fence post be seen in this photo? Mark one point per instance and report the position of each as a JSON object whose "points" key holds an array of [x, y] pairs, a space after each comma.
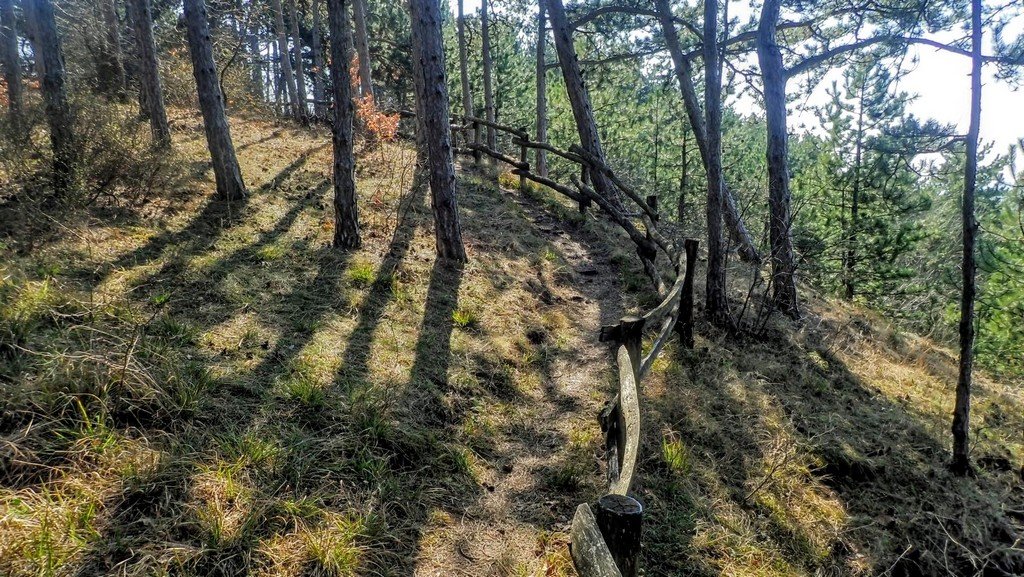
{"points": [[684, 324], [522, 158], [585, 179], [620, 519]]}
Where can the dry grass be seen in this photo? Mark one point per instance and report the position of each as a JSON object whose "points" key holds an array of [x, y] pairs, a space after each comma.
{"points": [[198, 388]]}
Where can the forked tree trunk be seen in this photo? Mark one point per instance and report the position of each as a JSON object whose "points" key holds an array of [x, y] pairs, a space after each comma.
{"points": [[773, 75], [542, 89], [485, 32], [717, 303], [300, 69], [586, 126], [319, 108], [284, 59], [12, 64], [110, 65], [432, 91], [362, 48], [684, 74], [149, 72], [50, 59], [962, 410], [346, 215], [218, 134]]}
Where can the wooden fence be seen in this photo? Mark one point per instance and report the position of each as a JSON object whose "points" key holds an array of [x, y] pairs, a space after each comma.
{"points": [[606, 536]]}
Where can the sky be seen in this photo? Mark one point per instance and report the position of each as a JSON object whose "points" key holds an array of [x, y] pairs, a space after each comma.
{"points": [[942, 82]]}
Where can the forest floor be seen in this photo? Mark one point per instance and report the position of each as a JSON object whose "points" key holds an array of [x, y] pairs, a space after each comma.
{"points": [[205, 388]]}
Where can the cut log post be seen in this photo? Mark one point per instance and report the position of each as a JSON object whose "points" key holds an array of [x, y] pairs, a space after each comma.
{"points": [[585, 179], [590, 554], [684, 325], [620, 519], [523, 160]]}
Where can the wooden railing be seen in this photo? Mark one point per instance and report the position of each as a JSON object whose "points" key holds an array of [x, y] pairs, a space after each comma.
{"points": [[606, 536]]}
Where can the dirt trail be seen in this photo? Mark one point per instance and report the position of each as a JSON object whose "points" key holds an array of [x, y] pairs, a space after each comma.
{"points": [[544, 473]]}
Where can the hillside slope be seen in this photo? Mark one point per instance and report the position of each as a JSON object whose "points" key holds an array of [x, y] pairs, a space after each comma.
{"points": [[204, 388]]}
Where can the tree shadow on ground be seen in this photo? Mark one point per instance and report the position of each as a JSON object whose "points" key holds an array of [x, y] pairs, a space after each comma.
{"points": [[781, 440]]}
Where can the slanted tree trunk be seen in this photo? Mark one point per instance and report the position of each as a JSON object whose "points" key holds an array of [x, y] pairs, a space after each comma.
{"points": [[362, 48], [774, 78], [717, 303], [684, 74], [12, 65], [962, 409], [319, 109], [432, 92], [485, 32], [50, 59], [284, 59], [149, 72], [110, 65], [346, 215], [586, 126], [542, 88], [218, 134], [467, 96], [300, 69]]}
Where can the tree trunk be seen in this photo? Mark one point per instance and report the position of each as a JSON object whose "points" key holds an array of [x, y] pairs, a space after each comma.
{"points": [[684, 74], [774, 78], [255, 54], [717, 303], [362, 48], [962, 410], [133, 66], [284, 58], [432, 90], [110, 66], [149, 72], [300, 73], [485, 32], [850, 259], [586, 126], [319, 96], [12, 65], [542, 89], [467, 97], [346, 215], [218, 134], [50, 59]]}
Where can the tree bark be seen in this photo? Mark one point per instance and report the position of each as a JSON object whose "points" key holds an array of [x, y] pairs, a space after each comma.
{"points": [[684, 74], [218, 134], [12, 65], [300, 69], [586, 126], [467, 97], [346, 215], [363, 48], [717, 303], [774, 78], [319, 93], [432, 90], [962, 410], [255, 55], [485, 33], [851, 237], [110, 66], [133, 66], [149, 72], [50, 58], [542, 89], [284, 58]]}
